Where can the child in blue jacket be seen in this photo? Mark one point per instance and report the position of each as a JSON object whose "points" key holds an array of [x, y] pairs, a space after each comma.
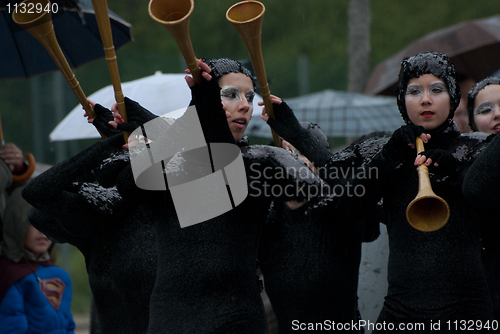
{"points": [[35, 294]]}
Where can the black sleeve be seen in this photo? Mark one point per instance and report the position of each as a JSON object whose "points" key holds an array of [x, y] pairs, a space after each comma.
{"points": [[276, 173], [206, 99], [482, 179], [55, 195]]}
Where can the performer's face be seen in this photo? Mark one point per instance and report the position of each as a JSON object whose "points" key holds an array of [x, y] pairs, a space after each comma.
{"points": [[487, 109], [427, 101], [237, 96], [461, 116], [36, 242]]}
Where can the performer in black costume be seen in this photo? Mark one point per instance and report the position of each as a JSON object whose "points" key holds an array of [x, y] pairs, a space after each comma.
{"points": [[118, 244], [434, 277], [310, 251], [483, 179], [206, 280], [310, 259], [484, 174]]}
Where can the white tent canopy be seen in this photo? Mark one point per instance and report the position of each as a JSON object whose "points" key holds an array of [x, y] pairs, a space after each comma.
{"points": [[345, 114]]}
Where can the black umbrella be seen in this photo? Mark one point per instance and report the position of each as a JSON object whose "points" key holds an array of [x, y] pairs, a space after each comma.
{"points": [[76, 30], [472, 46]]}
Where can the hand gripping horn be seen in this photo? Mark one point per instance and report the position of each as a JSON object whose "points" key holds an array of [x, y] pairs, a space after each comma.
{"points": [[102, 18], [427, 212]]}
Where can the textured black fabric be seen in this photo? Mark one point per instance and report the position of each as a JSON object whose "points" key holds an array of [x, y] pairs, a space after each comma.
{"points": [[103, 116], [433, 275], [223, 66], [445, 161], [206, 280], [483, 177], [480, 187], [310, 255], [400, 147], [206, 97], [137, 115], [288, 127], [118, 243]]}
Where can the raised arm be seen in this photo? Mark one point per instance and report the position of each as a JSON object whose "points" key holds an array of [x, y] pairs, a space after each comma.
{"points": [[289, 128], [56, 194]]}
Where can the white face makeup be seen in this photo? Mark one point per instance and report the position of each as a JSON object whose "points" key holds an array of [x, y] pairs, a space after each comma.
{"points": [[237, 99], [427, 101], [233, 95], [487, 109]]}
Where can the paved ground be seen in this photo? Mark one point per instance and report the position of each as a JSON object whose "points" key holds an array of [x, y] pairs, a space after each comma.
{"points": [[82, 322]]}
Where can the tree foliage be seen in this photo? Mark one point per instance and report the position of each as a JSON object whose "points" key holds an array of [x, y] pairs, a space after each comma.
{"points": [[315, 29]]}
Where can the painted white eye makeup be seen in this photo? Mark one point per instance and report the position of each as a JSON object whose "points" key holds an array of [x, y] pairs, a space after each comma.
{"points": [[231, 94], [485, 108], [434, 88]]}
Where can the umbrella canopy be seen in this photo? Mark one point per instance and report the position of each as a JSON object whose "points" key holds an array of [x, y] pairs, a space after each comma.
{"points": [[76, 30], [163, 94], [345, 114], [472, 46]]}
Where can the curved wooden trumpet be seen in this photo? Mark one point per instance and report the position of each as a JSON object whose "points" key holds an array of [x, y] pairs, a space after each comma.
{"points": [[102, 18], [40, 26], [174, 16], [427, 212], [247, 17]]}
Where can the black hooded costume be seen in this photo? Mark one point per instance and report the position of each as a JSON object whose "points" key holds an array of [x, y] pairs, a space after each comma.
{"points": [[480, 187], [206, 280], [434, 277]]}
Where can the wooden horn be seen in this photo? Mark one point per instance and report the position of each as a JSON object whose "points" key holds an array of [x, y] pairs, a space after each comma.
{"points": [[247, 17], [103, 22], [427, 212], [40, 26], [174, 16]]}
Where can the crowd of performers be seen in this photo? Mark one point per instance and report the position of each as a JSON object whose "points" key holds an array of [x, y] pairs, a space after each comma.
{"points": [[150, 275]]}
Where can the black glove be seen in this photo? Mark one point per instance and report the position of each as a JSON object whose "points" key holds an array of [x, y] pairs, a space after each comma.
{"points": [[285, 123], [103, 116], [401, 146], [288, 127], [211, 113], [137, 115], [446, 162]]}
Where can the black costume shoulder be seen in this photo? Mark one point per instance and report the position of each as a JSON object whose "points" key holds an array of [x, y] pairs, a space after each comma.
{"points": [[117, 241]]}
